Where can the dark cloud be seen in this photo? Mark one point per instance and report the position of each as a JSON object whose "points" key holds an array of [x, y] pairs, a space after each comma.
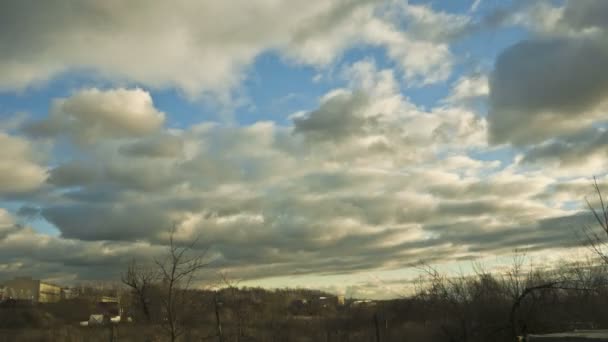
{"points": [[540, 88], [28, 212], [122, 221], [74, 173], [481, 237], [554, 83], [489, 187], [572, 149], [118, 174], [164, 146], [585, 14], [338, 118]]}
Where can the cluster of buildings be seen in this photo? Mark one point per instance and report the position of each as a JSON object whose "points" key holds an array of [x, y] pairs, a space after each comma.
{"points": [[28, 291], [32, 290]]}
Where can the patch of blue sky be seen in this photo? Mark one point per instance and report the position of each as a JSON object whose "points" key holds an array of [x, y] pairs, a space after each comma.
{"points": [[280, 87], [277, 88], [182, 112], [424, 96], [504, 154], [44, 227], [462, 6], [428, 96], [39, 224], [480, 49], [36, 99]]}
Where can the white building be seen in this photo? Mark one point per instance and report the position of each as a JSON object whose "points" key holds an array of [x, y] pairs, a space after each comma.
{"points": [[26, 288]]}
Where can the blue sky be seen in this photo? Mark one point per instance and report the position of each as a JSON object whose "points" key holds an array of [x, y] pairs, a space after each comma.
{"points": [[322, 144]]}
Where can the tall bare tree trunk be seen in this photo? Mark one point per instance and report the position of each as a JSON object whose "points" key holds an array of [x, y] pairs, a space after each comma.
{"points": [[218, 321]]}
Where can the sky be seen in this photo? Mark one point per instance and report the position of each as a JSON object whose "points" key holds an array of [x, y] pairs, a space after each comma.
{"points": [[325, 144]]}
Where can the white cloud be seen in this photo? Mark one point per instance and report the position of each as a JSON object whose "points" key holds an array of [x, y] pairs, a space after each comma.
{"points": [[20, 170], [192, 46], [475, 5], [468, 88], [93, 114]]}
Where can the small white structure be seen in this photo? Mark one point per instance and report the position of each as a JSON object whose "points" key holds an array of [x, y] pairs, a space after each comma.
{"points": [[97, 320], [573, 336]]}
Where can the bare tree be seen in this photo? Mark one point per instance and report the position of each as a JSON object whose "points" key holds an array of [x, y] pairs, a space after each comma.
{"points": [[598, 240], [169, 278], [177, 270], [141, 280], [239, 303]]}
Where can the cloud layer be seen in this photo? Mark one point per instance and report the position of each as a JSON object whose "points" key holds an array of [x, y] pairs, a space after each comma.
{"points": [[191, 45], [353, 185], [367, 179]]}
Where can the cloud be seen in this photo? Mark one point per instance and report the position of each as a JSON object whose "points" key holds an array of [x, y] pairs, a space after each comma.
{"points": [[543, 88], [73, 174], [25, 251], [20, 169], [552, 84], [468, 89], [189, 45], [162, 146], [121, 222], [365, 181], [584, 15], [7, 223], [475, 5], [569, 150], [246, 191], [339, 117], [93, 114]]}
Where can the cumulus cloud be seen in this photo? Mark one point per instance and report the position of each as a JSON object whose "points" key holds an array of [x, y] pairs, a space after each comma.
{"points": [[7, 223], [554, 83], [365, 180], [584, 16], [20, 171], [468, 89], [340, 116], [360, 172], [93, 114], [570, 149], [189, 45], [161, 146], [548, 93], [25, 251], [542, 88]]}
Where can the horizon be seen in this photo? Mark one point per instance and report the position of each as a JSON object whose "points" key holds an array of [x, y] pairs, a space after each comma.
{"points": [[332, 145]]}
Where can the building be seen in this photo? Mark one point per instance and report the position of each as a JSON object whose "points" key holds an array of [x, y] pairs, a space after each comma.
{"points": [[37, 291], [69, 293], [108, 306]]}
